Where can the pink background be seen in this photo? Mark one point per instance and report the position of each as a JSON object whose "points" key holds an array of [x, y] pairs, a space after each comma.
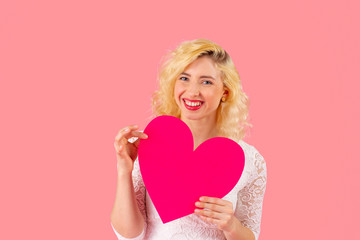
{"points": [[73, 73]]}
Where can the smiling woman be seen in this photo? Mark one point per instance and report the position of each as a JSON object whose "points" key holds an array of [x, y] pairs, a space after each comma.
{"points": [[207, 64], [198, 93], [200, 85]]}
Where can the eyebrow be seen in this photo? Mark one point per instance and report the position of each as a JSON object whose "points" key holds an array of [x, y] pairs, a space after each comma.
{"points": [[203, 76]]}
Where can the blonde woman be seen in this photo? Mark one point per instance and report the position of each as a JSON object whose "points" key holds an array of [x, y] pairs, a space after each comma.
{"points": [[200, 85]]}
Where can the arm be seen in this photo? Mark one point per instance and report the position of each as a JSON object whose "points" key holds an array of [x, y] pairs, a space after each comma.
{"points": [[250, 199], [239, 233], [128, 216]]}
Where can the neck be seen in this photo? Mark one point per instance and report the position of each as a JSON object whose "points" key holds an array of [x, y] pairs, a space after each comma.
{"points": [[202, 129]]}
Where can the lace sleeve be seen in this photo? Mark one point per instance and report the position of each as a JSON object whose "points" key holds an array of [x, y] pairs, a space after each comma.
{"points": [[140, 191], [250, 198]]}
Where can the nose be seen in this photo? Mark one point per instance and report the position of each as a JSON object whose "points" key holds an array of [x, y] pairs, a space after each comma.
{"points": [[193, 90]]}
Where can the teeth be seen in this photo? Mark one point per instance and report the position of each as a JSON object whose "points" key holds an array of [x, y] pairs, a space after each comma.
{"points": [[192, 104]]}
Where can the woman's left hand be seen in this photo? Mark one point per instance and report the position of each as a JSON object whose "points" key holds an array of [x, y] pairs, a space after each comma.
{"points": [[218, 211]]}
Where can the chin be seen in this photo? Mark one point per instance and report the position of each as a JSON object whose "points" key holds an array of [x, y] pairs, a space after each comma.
{"points": [[191, 116]]}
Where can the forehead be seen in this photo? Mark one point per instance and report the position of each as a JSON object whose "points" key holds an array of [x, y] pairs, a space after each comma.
{"points": [[203, 65]]}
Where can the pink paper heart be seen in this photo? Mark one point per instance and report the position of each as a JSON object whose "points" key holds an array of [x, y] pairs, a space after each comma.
{"points": [[175, 176]]}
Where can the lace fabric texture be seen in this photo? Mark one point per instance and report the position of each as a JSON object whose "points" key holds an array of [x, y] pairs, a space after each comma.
{"points": [[246, 197]]}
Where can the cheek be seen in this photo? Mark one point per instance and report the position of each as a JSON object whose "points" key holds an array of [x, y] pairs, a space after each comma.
{"points": [[177, 91], [213, 99], [176, 95]]}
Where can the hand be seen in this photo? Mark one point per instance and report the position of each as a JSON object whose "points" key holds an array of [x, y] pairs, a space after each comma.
{"points": [[126, 152], [219, 211]]}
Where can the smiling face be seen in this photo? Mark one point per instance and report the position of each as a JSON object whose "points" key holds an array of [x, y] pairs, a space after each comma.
{"points": [[199, 89]]}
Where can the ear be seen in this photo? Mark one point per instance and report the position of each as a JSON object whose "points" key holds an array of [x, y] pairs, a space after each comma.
{"points": [[226, 93]]}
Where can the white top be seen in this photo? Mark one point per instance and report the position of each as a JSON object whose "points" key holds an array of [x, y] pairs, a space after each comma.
{"points": [[246, 197]]}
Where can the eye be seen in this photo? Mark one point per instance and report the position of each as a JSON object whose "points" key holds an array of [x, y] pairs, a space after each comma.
{"points": [[207, 82], [183, 78]]}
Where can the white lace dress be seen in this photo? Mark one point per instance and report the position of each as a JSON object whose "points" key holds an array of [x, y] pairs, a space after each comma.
{"points": [[246, 197]]}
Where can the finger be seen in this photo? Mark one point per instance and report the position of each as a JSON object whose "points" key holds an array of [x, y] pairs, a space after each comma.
{"points": [[217, 201], [210, 220], [121, 134], [211, 214], [141, 135], [134, 134], [125, 132], [124, 140], [129, 128], [118, 148], [214, 207], [133, 127]]}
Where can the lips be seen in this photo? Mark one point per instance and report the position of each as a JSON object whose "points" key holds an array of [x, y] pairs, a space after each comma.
{"points": [[192, 101], [192, 108]]}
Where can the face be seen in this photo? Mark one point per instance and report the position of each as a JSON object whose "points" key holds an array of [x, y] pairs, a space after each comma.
{"points": [[199, 89]]}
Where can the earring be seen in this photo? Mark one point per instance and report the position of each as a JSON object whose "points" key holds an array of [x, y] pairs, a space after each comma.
{"points": [[223, 99]]}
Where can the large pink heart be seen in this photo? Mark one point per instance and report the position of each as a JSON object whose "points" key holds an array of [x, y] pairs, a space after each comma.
{"points": [[175, 176]]}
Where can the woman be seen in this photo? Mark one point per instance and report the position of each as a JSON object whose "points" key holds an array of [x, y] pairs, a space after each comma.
{"points": [[200, 85]]}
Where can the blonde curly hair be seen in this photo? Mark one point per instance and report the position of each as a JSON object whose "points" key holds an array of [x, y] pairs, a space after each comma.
{"points": [[232, 115]]}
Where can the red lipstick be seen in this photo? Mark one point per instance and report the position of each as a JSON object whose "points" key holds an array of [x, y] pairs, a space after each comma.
{"points": [[192, 108]]}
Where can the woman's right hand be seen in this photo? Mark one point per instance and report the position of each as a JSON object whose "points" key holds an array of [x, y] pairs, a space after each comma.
{"points": [[126, 152]]}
